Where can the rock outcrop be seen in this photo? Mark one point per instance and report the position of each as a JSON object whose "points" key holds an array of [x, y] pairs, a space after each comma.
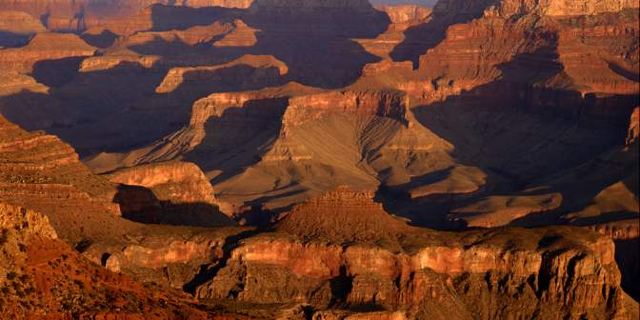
{"points": [[55, 282], [437, 274], [480, 114], [633, 134], [509, 8], [510, 55], [365, 104], [44, 46], [39, 171], [179, 182], [17, 27], [169, 193], [14, 83], [172, 260], [78, 16], [194, 76], [343, 217], [402, 17]]}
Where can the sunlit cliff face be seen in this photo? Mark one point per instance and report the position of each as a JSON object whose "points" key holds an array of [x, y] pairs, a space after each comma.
{"points": [[323, 159]]}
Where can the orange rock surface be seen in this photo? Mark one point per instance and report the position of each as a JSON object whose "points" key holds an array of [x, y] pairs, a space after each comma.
{"points": [[456, 126]]}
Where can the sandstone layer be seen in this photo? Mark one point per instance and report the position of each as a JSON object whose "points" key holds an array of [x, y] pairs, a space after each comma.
{"points": [[168, 193], [43, 277], [45, 174], [476, 114], [425, 274]]}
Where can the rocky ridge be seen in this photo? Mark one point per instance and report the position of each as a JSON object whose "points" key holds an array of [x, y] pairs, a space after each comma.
{"points": [[429, 267], [33, 261], [548, 86], [46, 174], [168, 193]]}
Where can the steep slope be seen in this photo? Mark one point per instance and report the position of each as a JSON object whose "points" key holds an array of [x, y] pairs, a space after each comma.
{"points": [[17, 27], [420, 273], [417, 271], [78, 16], [345, 217], [44, 46], [33, 262], [168, 193], [39, 170]]}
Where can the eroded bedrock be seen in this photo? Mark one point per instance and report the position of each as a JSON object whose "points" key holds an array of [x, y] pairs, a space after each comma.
{"points": [[319, 159]]}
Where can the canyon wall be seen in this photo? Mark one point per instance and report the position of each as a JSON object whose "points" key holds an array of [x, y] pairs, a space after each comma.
{"points": [[55, 281], [437, 274], [169, 193], [508, 8], [39, 171]]}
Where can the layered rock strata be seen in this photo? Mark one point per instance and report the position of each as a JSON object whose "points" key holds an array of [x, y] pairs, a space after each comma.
{"points": [[175, 193], [442, 275], [45, 174]]}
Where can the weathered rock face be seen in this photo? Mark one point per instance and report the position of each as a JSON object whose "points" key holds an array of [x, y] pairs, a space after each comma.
{"points": [[633, 133], [508, 8], [463, 136], [19, 22], [567, 8], [14, 83], [517, 53], [406, 14], [21, 219], [401, 17], [310, 5], [172, 261], [344, 217], [44, 46], [619, 230], [78, 16], [373, 104], [241, 36], [193, 49], [38, 171], [433, 273], [194, 76], [597, 53], [180, 182], [32, 265], [17, 27], [168, 193]]}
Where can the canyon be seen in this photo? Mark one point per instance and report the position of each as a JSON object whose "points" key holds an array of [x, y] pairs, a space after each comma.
{"points": [[334, 159]]}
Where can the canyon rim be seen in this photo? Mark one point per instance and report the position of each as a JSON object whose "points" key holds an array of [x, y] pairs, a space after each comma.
{"points": [[319, 159]]}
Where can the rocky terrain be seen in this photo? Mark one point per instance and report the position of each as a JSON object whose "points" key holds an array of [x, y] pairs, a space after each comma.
{"points": [[315, 262], [329, 159], [42, 277]]}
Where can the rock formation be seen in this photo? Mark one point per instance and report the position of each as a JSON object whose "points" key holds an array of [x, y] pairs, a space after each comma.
{"points": [[343, 217], [39, 171], [190, 76], [42, 277], [481, 115], [175, 193], [428, 274], [560, 8], [44, 46], [17, 27]]}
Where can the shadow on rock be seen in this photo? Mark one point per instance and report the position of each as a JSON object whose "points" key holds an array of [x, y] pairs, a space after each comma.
{"points": [[140, 204]]}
